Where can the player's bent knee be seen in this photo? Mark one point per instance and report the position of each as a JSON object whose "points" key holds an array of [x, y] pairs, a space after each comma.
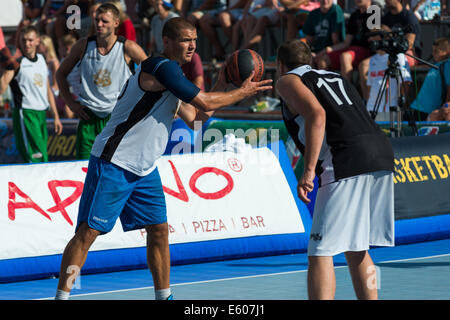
{"points": [[86, 234]]}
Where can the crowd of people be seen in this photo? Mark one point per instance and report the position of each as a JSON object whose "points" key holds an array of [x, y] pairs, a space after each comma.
{"points": [[341, 40]]}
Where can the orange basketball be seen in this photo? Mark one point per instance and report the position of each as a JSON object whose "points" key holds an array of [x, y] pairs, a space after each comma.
{"points": [[240, 65]]}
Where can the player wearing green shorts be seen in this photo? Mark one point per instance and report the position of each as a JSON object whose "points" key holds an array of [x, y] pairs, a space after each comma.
{"points": [[28, 79], [104, 61]]}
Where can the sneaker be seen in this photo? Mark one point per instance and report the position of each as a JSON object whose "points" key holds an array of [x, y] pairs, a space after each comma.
{"points": [[170, 297]]}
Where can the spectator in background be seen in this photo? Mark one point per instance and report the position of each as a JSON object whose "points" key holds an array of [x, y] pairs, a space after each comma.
{"points": [[53, 18], [296, 12], [131, 9], [178, 5], [400, 17], [377, 67], [32, 10], [163, 9], [259, 15], [211, 7], [209, 21], [189, 6], [32, 97], [47, 49], [126, 27], [74, 78], [92, 14], [348, 54], [193, 70], [231, 16], [434, 95], [324, 27]]}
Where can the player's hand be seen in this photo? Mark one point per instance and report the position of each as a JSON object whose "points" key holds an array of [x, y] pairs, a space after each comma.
{"points": [[78, 109], [305, 186], [58, 126], [251, 88]]}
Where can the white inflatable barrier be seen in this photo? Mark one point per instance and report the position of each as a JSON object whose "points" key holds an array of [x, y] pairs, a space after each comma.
{"points": [[221, 205]]}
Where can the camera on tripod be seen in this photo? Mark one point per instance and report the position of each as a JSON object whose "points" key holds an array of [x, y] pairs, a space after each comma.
{"points": [[393, 42]]}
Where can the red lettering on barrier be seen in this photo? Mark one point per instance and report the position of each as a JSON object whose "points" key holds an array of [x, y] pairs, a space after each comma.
{"points": [[196, 226], [61, 205], [28, 203], [214, 195], [209, 225], [182, 194], [257, 223]]}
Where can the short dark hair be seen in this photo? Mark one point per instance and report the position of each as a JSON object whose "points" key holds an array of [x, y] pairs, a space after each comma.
{"points": [[28, 29], [108, 6], [172, 28], [294, 53]]}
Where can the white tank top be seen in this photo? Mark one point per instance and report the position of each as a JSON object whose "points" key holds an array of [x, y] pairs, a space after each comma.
{"points": [[102, 77], [138, 131], [29, 85]]}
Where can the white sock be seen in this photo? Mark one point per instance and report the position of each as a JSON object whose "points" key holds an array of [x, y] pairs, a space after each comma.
{"points": [[62, 295], [162, 294]]}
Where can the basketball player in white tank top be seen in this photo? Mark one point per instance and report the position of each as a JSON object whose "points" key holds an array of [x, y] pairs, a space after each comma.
{"points": [[104, 69]]}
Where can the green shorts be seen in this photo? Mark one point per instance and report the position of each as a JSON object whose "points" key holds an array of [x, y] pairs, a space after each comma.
{"points": [[30, 132], [87, 131]]}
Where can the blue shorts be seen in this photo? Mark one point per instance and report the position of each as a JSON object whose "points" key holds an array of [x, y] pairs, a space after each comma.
{"points": [[110, 191]]}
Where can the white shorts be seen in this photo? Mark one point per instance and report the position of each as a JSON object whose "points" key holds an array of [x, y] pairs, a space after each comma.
{"points": [[353, 214]]}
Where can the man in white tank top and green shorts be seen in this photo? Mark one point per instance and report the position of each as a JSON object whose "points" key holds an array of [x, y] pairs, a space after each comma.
{"points": [[28, 79], [104, 62]]}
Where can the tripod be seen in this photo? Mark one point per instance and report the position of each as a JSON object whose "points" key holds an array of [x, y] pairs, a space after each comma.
{"points": [[395, 111], [394, 70]]}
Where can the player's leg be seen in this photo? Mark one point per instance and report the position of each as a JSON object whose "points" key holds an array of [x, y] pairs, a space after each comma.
{"points": [[30, 131], [146, 208], [105, 192], [158, 255], [321, 278], [75, 255], [363, 273]]}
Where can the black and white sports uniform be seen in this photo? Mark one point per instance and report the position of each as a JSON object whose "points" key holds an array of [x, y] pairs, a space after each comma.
{"points": [[354, 207], [354, 143]]}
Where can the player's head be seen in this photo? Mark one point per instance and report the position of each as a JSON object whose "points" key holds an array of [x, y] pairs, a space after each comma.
{"points": [[180, 39], [292, 54], [106, 19], [29, 40]]}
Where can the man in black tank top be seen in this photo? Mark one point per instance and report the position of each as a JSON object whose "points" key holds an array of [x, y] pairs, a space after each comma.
{"points": [[342, 145]]}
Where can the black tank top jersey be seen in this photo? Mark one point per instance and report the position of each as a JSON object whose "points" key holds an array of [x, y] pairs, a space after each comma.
{"points": [[356, 143]]}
